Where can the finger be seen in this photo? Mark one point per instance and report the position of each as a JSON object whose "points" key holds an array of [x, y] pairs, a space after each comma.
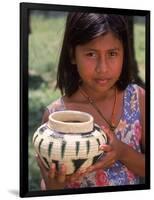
{"points": [[81, 172], [62, 174], [106, 162], [109, 134], [76, 176], [41, 166], [73, 178], [43, 185], [105, 147], [105, 129], [52, 171], [95, 167]]}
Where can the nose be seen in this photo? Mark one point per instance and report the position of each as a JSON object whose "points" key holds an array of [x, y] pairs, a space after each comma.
{"points": [[101, 66]]}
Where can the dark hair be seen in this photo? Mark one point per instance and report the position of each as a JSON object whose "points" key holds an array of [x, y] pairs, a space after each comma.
{"points": [[80, 29]]}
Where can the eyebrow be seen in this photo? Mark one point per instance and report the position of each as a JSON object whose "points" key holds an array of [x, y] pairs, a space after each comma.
{"points": [[112, 49]]}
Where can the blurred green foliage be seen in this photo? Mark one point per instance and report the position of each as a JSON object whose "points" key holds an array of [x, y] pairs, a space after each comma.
{"points": [[45, 39], [139, 45]]}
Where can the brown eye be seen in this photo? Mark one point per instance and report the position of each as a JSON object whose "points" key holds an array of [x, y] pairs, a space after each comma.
{"points": [[113, 53], [91, 54]]}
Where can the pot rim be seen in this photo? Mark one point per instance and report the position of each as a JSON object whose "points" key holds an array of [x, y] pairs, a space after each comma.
{"points": [[60, 121]]}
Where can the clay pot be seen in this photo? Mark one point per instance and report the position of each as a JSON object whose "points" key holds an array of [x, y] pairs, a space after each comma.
{"points": [[69, 137]]}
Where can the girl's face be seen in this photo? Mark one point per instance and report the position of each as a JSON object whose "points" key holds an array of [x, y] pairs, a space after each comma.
{"points": [[99, 62]]}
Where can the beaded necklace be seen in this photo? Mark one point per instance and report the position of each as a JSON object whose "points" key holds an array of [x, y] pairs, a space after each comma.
{"points": [[111, 123]]}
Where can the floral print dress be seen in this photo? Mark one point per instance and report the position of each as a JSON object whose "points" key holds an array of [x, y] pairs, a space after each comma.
{"points": [[129, 132]]}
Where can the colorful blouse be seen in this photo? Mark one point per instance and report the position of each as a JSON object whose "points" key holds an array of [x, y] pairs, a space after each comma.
{"points": [[128, 131]]}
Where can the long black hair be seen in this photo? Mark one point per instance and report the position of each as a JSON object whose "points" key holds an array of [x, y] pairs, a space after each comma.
{"points": [[80, 29]]}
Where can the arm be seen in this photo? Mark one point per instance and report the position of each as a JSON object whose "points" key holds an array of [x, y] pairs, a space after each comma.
{"points": [[117, 150], [133, 160]]}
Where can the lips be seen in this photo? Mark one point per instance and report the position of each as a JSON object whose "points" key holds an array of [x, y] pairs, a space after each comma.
{"points": [[102, 81]]}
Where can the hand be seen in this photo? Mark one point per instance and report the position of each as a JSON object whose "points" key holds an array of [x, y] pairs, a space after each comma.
{"points": [[54, 179], [113, 152]]}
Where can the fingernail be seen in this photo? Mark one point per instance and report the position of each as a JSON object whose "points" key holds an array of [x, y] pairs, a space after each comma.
{"points": [[63, 168], [52, 166], [101, 147]]}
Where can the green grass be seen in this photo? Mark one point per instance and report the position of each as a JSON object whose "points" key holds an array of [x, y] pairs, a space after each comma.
{"points": [[44, 48]]}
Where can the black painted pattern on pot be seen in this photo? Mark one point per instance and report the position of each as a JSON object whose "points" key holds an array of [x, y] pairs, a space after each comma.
{"points": [[95, 159], [63, 146], [104, 138], [88, 146], [77, 148], [97, 128], [56, 162], [45, 160], [57, 135], [35, 139], [50, 148], [42, 129], [78, 163], [98, 141], [89, 135], [39, 147]]}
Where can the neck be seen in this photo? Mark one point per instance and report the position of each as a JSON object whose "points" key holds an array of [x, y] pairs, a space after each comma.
{"points": [[111, 122], [98, 96]]}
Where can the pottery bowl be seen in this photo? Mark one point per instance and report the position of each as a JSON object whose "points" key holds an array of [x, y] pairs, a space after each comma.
{"points": [[71, 138]]}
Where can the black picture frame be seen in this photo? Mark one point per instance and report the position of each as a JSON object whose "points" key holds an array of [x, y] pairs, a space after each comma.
{"points": [[25, 8]]}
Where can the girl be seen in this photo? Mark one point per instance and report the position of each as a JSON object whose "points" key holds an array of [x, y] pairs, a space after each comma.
{"points": [[94, 76]]}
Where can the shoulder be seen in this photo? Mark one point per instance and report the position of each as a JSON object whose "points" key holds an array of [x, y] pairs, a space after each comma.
{"points": [[56, 105], [138, 90], [140, 93], [135, 95], [141, 99]]}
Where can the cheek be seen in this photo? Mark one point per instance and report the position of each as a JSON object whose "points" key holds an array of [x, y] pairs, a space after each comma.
{"points": [[85, 71], [118, 69], [118, 66], [85, 67]]}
